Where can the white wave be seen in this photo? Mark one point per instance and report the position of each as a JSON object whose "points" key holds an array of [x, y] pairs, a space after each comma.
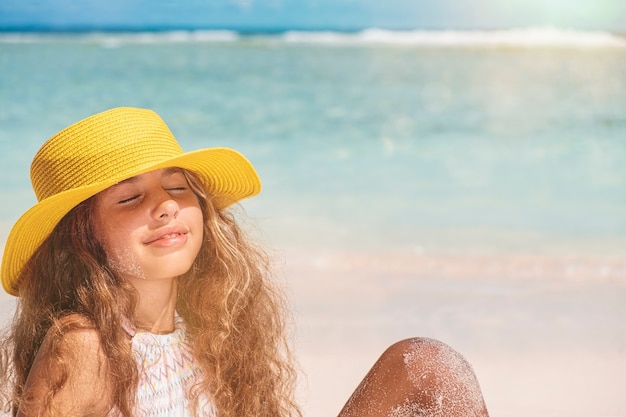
{"points": [[116, 39], [320, 37], [515, 38], [530, 37]]}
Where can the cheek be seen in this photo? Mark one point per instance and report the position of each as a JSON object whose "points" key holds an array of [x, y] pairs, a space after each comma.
{"points": [[120, 257], [197, 223], [112, 236], [115, 238], [125, 262]]}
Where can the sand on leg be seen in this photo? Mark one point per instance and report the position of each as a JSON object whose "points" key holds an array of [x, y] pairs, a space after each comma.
{"points": [[418, 377]]}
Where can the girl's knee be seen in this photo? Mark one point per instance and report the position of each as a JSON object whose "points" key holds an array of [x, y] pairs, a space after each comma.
{"points": [[425, 359], [419, 377], [420, 352], [442, 379]]}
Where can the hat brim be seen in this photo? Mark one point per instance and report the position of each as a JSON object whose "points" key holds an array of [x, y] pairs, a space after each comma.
{"points": [[227, 175]]}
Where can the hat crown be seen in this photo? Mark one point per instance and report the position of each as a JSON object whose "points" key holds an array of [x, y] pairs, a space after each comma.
{"points": [[101, 148]]}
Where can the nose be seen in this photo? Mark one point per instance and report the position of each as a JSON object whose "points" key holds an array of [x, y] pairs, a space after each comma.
{"points": [[167, 209]]}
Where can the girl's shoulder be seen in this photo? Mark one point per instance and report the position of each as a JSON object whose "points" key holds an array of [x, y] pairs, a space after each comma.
{"points": [[73, 321], [71, 333], [71, 339], [69, 359]]}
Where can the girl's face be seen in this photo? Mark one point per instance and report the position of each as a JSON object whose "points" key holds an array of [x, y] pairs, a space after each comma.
{"points": [[150, 226]]}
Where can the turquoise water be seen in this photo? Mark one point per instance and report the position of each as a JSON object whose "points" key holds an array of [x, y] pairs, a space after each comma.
{"points": [[365, 149], [359, 145]]}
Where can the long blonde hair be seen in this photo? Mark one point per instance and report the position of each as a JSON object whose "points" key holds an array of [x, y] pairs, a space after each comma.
{"points": [[234, 315]]}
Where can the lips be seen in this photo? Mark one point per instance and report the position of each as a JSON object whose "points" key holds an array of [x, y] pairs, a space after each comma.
{"points": [[167, 237]]}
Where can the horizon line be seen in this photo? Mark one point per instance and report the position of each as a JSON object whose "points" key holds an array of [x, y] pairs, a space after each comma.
{"points": [[264, 29]]}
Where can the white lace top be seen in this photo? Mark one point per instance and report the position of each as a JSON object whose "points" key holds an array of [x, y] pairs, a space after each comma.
{"points": [[167, 370]]}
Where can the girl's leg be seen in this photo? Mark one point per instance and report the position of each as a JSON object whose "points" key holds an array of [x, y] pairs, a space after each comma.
{"points": [[418, 378]]}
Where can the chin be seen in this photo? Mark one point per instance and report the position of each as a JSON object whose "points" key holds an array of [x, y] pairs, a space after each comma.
{"points": [[169, 274], [171, 266]]}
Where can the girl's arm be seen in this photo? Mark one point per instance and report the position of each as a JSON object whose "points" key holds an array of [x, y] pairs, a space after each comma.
{"points": [[69, 377]]}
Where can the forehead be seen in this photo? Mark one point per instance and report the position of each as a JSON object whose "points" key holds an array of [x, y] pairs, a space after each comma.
{"points": [[164, 172]]}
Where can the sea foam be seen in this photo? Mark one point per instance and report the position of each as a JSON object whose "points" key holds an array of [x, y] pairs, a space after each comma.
{"points": [[529, 37], [511, 38], [112, 39]]}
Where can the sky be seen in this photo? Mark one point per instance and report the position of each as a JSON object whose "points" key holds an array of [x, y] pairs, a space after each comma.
{"points": [[313, 14]]}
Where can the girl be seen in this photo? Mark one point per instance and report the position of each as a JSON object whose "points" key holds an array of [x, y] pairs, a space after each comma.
{"points": [[140, 296]]}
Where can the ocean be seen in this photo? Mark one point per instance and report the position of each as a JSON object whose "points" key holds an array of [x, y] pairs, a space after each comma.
{"points": [[464, 186]]}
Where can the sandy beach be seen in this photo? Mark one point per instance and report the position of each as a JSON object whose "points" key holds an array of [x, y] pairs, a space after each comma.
{"points": [[546, 335]]}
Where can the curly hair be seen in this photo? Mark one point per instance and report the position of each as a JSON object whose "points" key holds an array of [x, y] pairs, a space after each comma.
{"points": [[233, 312]]}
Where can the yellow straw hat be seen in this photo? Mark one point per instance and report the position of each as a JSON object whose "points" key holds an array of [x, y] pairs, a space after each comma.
{"points": [[100, 151]]}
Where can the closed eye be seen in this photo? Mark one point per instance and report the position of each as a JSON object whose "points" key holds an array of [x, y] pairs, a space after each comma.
{"points": [[179, 189], [128, 200]]}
